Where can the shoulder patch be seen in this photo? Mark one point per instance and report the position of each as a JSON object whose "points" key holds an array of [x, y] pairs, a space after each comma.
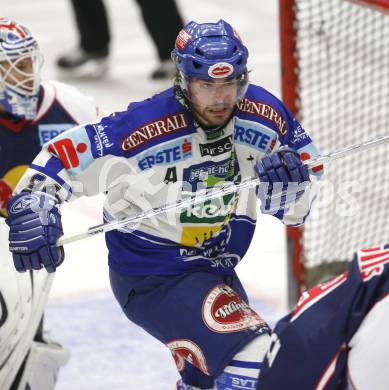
{"points": [[264, 111]]}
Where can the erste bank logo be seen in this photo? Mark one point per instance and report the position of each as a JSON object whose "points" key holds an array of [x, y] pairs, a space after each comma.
{"points": [[48, 131], [254, 135], [168, 153]]}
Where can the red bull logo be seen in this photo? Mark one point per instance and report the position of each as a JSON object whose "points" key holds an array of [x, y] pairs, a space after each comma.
{"points": [[7, 185], [5, 195]]}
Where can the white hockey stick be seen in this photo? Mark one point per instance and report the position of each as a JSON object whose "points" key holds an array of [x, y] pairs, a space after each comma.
{"points": [[216, 193]]}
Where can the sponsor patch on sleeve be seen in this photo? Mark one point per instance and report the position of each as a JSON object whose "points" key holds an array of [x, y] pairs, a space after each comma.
{"points": [[73, 149]]}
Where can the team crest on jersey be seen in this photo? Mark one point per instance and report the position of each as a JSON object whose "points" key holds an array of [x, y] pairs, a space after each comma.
{"points": [[187, 350], [154, 130], [48, 131], [224, 311], [168, 153], [254, 135], [220, 70]]}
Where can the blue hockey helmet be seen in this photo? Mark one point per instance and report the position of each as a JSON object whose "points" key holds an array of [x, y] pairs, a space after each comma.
{"points": [[209, 51], [20, 65]]}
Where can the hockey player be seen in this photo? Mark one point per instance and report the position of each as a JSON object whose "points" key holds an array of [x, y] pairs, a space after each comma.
{"points": [[31, 113], [174, 275], [337, 337]]}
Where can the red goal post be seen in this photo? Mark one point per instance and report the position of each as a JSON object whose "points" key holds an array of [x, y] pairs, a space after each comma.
{"points": [[335, 79]]}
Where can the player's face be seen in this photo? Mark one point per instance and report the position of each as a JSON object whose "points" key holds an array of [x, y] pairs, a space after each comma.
{"points": [[18, 72], [213, 101]]}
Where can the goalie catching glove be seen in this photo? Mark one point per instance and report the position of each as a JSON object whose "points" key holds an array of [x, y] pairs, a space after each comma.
{"points": [[283, 178], [35, 225]]}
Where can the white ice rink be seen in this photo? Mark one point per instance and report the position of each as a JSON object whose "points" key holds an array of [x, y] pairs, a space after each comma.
{"points": [[107, 351]]}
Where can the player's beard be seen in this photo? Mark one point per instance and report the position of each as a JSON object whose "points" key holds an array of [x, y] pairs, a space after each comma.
{"points": [[215, 115]]}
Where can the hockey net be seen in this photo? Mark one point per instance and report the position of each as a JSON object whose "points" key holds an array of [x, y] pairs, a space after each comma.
{"points": [[335, 78]]}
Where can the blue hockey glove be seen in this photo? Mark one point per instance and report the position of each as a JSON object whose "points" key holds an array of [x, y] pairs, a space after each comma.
{"points": [[35, 226], [283, 178]]}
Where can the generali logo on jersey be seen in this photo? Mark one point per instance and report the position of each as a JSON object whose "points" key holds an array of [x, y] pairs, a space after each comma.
{"points": [[154, 130], [224, 311]]}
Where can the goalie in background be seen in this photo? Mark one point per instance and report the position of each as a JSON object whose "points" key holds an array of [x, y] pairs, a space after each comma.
{"points": [[31, 113], [337, 336], [173, 275]]}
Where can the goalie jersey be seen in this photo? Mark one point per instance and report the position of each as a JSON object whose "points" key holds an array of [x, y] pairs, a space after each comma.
{"points": [[154, 154], [60, 107], [310, 347], [23, 296]]}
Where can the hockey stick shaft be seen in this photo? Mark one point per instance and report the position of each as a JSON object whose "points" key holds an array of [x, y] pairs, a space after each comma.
{"points": [[215, 193]]}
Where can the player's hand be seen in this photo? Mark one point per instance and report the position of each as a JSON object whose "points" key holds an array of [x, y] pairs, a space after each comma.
{"points": [[35, 226], [283, 178]]}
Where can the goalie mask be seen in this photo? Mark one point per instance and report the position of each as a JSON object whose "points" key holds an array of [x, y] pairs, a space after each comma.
{"points": [[20, 65], [212, 55]]}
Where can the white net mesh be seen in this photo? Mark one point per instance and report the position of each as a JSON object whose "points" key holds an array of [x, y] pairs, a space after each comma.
{"points": [[343, 71]]}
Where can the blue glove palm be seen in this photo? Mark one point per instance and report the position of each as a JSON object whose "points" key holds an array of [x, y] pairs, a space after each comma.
{"points": [[283, 178], [35, 226]]}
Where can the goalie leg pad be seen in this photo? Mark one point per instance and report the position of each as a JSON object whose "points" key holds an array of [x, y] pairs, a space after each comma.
{"points": [[42, 366]]}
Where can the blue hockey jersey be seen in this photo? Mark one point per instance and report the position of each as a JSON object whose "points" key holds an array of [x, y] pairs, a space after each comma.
{"points": [[155, 153], [310, 346]]}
